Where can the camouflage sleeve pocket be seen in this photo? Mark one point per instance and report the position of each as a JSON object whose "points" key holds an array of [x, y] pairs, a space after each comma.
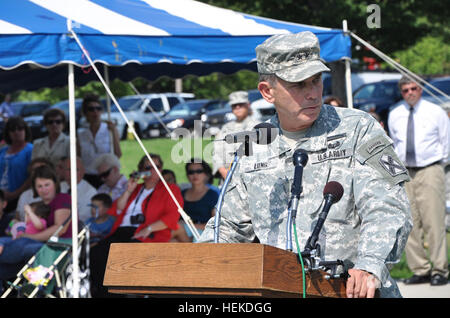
{"points": [[379, 154]]}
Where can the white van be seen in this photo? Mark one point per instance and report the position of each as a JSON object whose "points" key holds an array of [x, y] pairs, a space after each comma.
{"points": [[140, 109]]}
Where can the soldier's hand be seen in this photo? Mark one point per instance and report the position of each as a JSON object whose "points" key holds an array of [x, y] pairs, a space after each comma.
{"points": [[361, 284]]}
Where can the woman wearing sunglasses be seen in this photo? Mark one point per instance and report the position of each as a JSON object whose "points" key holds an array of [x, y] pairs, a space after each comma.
{"points": [[145, 212], [98, 138], [14, 160], [199, 200], [56, 144]]}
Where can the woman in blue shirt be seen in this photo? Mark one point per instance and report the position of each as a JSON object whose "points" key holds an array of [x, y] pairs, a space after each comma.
{"points": [[14, 160]]}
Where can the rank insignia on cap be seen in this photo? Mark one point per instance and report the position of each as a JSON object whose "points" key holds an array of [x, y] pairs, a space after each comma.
{"points": [[391, 165]]}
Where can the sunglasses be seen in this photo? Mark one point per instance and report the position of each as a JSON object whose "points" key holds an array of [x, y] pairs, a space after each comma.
{"points": [[94, 108], [190, 172], [54, 121], [234, 106], [148, 168], [17, 128], [406, 90], [105, 174]]}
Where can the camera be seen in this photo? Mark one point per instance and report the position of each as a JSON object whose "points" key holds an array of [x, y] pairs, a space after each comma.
{"points": [[140, 174], [137, 219]]}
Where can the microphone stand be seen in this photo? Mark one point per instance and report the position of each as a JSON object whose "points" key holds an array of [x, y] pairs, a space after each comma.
{"points": [[292, 213], [312, 253], [300, 158], [245, 149]]}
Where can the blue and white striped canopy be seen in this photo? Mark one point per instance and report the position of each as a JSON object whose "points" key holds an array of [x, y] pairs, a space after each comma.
{"points": [[184, 36]]}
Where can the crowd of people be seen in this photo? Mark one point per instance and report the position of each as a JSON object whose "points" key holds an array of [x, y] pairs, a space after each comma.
{"points": [[394, 183], [35, 193]]}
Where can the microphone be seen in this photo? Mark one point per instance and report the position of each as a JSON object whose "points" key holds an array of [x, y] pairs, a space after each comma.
{"points": [[262, 134], [300, 158], [332, 192]]}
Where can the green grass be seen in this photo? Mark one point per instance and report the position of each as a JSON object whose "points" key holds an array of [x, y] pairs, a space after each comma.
{"points": [[401, 269], [173, 152]]}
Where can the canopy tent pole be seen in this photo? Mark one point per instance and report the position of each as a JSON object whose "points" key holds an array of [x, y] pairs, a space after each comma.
{"points": [[403, 70], [348, 73], [183, 214], [108, 105], [108, 99], [73, 183], [178, 85]]}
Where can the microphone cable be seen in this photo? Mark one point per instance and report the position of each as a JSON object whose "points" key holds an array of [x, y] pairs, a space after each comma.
{"points": [[301, 261]]}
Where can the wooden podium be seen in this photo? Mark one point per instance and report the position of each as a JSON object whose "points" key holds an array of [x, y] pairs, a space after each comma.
{"points": [[206, 269]]}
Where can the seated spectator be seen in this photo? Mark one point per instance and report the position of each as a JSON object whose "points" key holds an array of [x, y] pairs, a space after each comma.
{"points": [[35, 221], [5, 218], [57, 144], [14, 160], [334, 101], [100, 223], [145, 212], [46, 185], [98, 138], [108, 168], [28, 197], [199, 200], [59, 169], [169, 176], [85, 191], [378, 118]]}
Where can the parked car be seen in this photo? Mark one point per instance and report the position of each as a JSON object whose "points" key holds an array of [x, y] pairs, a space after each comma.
{"points": [[140, 109], [214, 119], [28, 111], [182, 115], [262, 110], [441, 83], [254, 94], [377, 97], [25, 109]]}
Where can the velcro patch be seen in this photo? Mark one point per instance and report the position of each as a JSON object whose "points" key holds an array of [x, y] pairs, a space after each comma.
{"points": [[331, 154], [370, 148], [388, 165], [392, 165]]}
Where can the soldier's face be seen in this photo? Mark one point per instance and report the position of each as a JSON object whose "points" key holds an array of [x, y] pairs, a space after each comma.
{"points": [[240, 110], [299, 103]]}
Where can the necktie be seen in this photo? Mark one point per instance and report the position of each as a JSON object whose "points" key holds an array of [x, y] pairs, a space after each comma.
{"points": [[410, 151]]}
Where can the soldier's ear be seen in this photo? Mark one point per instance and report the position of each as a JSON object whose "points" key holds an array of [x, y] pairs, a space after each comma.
{"points": [[266, 91]]}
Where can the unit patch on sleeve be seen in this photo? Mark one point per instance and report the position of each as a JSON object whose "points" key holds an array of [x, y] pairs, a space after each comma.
{"points": [[391, 165]]}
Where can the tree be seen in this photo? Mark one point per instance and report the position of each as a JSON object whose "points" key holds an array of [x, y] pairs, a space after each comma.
{"points": [[434, 55], [403, 22]]}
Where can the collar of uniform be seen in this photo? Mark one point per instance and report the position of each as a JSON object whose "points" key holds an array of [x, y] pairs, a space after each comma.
{"points": [[316, 137]]}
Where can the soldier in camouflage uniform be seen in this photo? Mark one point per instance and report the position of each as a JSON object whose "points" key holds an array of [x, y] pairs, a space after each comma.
{"points": [[224, 153], [368, 228]]}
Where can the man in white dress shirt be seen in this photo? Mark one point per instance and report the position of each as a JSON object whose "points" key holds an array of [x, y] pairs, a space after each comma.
{"points": [[420, 131]]}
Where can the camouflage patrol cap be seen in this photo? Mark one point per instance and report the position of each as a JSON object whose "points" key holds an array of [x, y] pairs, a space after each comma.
{"points": [[291, 57], [239, 97]]}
